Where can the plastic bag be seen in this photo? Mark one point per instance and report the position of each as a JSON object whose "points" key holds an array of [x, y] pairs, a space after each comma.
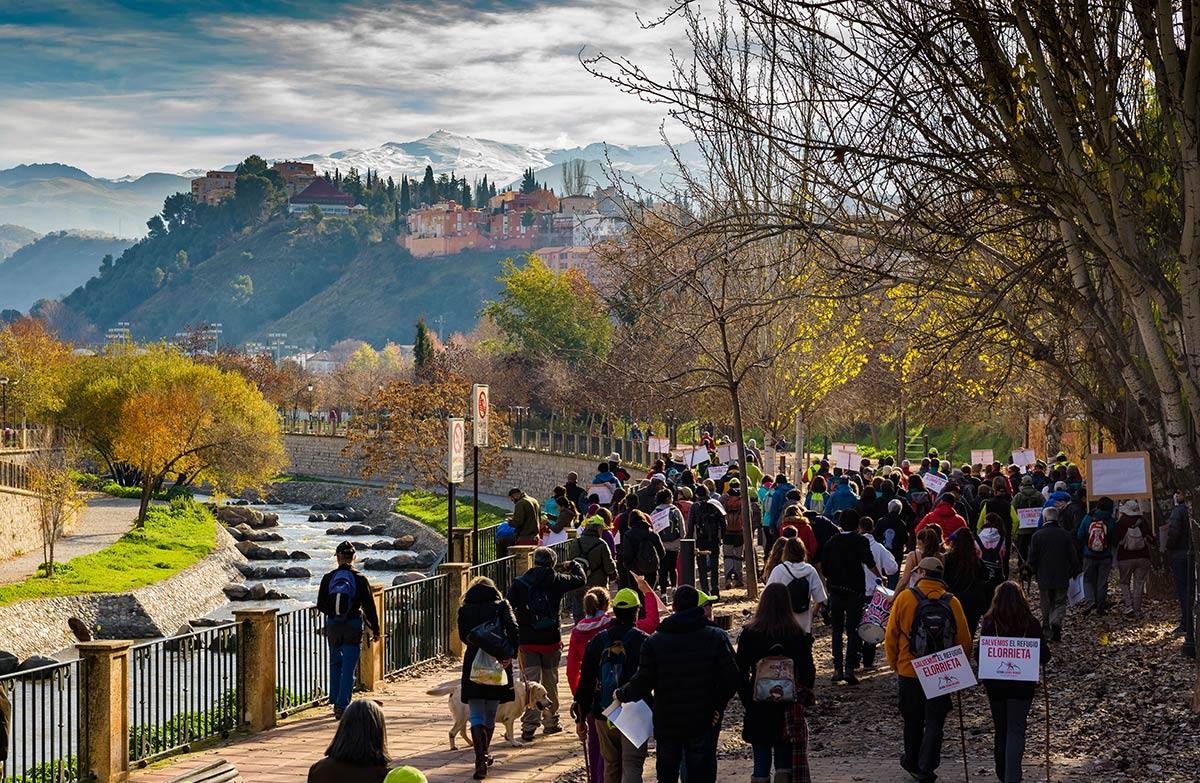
{"points": [[486, 670]]}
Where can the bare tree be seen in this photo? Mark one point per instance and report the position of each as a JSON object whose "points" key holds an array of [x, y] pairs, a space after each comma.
{"points": [[574, 177], [52, 472]]}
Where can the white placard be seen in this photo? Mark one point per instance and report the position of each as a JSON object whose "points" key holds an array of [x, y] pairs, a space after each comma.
{"points": [[1119, 475], [553, 538], [1023, 458], [944, 672], [727, 452], [853, 461], [603, 493], [982, 457], [934, 483], [1014, 659], [1027, 518], [660, 519], [635, 720], [659, 445], [717, 472], [481, 411], [455, 458], [697, 456], [839, 452], [1075, 592]]}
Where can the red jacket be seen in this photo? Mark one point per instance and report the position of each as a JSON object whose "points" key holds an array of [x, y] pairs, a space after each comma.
{"points": [[946, 518]]}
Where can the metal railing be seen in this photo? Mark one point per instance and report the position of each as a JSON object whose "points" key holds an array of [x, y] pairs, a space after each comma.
{"points": [[502, 571], [592, 447], [182, 690], [416, 622], [566, 550], [43, 740], [14, 475], [301, 661], [484, 543]]}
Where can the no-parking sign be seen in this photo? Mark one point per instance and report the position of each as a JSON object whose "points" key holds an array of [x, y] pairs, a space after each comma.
{"points": [[455, 467], [480, 412]]}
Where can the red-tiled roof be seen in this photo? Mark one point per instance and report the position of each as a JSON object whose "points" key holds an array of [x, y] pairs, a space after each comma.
{"points": [[321, 192]]}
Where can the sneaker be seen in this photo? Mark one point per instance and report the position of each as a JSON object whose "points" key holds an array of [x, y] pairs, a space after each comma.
{"points": [[910, 769], [552, 729], [850, 679], [526, 736]]}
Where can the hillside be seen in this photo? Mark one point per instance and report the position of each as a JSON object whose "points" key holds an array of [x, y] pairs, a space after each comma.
{"points": [[52, 197], [13, 237], [53, 265]]}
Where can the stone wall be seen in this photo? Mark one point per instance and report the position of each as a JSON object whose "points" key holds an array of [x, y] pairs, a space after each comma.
{"points": [[534, 471], [157, 610], [18, 523]]}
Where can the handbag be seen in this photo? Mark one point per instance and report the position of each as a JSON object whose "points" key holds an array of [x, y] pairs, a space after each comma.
{"points": [[489, 636]]}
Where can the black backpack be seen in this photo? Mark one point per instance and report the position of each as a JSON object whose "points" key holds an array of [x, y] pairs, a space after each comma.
{"points": [[933, 627], [645, 561], [541, 608], [798, 592]]}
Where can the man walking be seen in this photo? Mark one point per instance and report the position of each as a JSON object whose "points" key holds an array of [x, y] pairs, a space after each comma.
{"points": [[1097, 536], [689, 667], [536, 597], [526, 517], [344, 597], [843, 559], [1053, 560]]}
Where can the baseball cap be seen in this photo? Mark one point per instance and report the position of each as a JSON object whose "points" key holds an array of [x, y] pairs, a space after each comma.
{"points": [[659, 477], [735, 482], [406, 775], [705, 598], [930, 565], [626, 598], [345, 548], [596, 520]]}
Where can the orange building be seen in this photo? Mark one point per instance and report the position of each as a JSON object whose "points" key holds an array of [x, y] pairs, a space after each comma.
{"points": [[213, 186], [562, 258], [540, 200], [296, 175], [443, 229]]}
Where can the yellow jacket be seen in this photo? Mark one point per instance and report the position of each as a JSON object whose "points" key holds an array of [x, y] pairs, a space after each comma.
{"points": [[904, 608]]}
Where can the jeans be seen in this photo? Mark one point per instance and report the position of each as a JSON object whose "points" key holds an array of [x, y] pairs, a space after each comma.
{"points": [[699, 751], [482, 712], [543, 668], [708, 569], [733, 554], [763, 755], [623, 763], [924, 721], [1095, 581], [845, 610], [1054, 608], [1008, 745], [1134, 574], [667, 569], [343, 660], [1181, 571]]}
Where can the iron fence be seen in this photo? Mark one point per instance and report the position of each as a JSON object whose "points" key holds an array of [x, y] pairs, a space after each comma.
{"points": [[301, 661], [416, 622], [182, 690], [566, 550], [484, 543], [502, 571], [14, 475], [43, 745]]}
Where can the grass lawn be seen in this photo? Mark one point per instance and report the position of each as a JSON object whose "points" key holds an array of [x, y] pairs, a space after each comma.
{"points": [[432, 509], [174, 538]]}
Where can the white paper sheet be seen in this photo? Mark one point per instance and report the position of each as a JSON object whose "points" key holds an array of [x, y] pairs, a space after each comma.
{"points": [[635, 720]]}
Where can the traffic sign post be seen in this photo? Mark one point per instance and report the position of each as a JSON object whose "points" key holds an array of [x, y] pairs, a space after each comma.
{"points": [[481, 410], [454, 477]]}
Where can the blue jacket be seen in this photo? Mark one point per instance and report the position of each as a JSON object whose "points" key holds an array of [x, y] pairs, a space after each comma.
{"points": [[1081, 534], [841, 499], [1055, 497], [608, 477], [778, 498]]}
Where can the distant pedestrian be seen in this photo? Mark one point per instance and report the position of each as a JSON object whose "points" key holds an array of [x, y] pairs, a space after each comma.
{"points": [[1097, 538], [345, 599], [486, 623], [642, 550], [1181, 558], [1133, 556], [359, 751], [842, 562], [526, 517]]}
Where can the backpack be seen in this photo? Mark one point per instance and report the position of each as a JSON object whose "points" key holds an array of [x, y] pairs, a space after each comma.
{"points": [[933, 626], [817, 502], [1134, 540], [708, 528], [613, 657], [921, 504], [1097, 536], [798, 591], [342, 589], [646, 559], [733, 514], [540, 606], [775, 679], [991, 561]]}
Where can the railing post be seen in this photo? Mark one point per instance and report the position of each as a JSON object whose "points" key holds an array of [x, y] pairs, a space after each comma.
{"points": [[256, 666], [460, 549], [104, 712], [370, 662], [523, 558], [457, 577]]}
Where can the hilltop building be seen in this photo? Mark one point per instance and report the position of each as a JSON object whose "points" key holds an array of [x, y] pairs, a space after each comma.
{"points": [[329, 199], [213, 187], [297, 176]]}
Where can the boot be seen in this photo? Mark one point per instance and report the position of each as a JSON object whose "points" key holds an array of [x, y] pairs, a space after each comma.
{"points": [[487, 751], [479, 739], [782, 776]]}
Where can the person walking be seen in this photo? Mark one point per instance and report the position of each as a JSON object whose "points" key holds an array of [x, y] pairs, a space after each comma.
{"points": [[1026, 497], [843, 559], [344, 597], [536, 597], [596, 618], [1133, 556], [1097, 537], [1180, 558], [688, 667], [891, 531], [526, 517], [886, 569], [1009, 615], [929, 544], [642, 550], [840, 499], [773, 632], [925, 619], [707, 526], [786, 566], [486, 623], [358, 752], [733, 540], [944, 516], [1053, 561], [670, 537], [967, 577]]}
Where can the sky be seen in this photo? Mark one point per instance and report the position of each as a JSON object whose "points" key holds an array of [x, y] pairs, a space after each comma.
{"points": [[121, 87]]}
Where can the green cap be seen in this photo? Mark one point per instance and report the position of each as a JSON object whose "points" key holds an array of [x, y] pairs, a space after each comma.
{"points": [[596, 520], [705, 598], [627, 598], [406, 775]]}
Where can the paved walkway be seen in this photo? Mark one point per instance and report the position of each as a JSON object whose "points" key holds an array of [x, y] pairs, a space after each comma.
{"points": [[103, 521]]}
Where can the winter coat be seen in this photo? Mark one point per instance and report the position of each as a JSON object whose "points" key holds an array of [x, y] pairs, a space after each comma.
{"points": [[1028, 497], [973, 590], [824, 530], [764, 722], [841, 499], [592, 548], [361, 606], [900, 622], [689, 667], [671, 534], [891, 531], [482, 604], [584, 631], [1178, 526], [706, 524], [946, 518], [556, 585], [577, 495], [778, 498], [634, 640], [1053, 557], [527, 519], [638, 538], [1110, 537]]}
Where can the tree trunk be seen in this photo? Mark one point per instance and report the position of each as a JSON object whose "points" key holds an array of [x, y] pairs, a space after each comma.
{"points": [[749, 553], [144, 504], [798, 468]]}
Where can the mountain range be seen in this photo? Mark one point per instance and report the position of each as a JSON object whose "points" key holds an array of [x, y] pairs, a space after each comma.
{"points": [[51, 266]]}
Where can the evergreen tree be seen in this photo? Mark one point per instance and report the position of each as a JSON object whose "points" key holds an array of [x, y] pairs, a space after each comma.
{"points": [[481, 192], [422, 346], [395, 216], [466, 195], [528, 183], [492, 190], [391, 189], [405, 197], [428, 192]]}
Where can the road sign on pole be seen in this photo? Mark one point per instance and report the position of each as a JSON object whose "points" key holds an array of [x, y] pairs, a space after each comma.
{"points": [[455, 463], [481, 410]]}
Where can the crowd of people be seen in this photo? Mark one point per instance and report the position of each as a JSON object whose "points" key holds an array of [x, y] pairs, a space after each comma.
{"points": [[919, 559]]}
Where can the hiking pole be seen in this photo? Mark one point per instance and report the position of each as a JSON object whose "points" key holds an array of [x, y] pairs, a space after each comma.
{"points": [[962, 735], [1046, 695]]}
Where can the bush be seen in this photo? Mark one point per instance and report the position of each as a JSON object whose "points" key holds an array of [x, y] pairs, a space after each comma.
{"points": [[110, 487]]}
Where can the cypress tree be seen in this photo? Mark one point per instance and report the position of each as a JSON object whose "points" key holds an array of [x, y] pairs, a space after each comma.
{"points": [[405, 196], [422, 346], [428, 193], [466, 195]]}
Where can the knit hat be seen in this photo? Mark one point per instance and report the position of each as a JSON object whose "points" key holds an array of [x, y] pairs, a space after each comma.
{"points": [[406, 775], [544, 556], [1027, 480], [626, 598], [1060, 486], [685, 493]]}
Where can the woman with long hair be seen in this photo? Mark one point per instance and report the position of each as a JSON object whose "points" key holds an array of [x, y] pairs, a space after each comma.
{"points": [[1010, 615], [774, 729], [929, 544], [967, 577], [483, 606], [359, 750]]}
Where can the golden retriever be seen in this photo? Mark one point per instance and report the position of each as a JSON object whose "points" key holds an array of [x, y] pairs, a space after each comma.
{"points": [[530, 695]]}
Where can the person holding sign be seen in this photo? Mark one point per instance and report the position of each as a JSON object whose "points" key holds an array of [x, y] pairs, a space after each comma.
{"points": [[1010, 698], [1027, 498], [925, 619], [642, 549]]}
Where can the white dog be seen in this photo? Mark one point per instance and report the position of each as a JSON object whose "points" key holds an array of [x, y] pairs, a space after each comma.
{"points": [[530, 695]]}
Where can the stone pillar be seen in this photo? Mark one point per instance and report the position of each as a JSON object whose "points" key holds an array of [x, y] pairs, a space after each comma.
{"points": [[104, 710], [457, 575], [524, 557], [370, 662], [256, 666], [687, 561], [460, 545]]}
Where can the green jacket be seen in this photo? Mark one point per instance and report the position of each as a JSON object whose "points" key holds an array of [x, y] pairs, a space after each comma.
{"points": [[527, 518]]}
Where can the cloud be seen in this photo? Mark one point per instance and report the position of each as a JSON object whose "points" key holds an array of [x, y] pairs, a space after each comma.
{"points": [[205, 89]]}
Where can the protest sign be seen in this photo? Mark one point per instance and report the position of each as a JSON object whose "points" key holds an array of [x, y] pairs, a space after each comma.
{"points": [[717, 472], [727, 452], [697, 456], [982, 457], [1122, 475], [1027, 518], [853, 460], [1024, 459], [659, 445], [660, 519], [1014, 659], [839, 454], [552, 538], [934, 483], [603, 493], [635, 720], [945, 672]]}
